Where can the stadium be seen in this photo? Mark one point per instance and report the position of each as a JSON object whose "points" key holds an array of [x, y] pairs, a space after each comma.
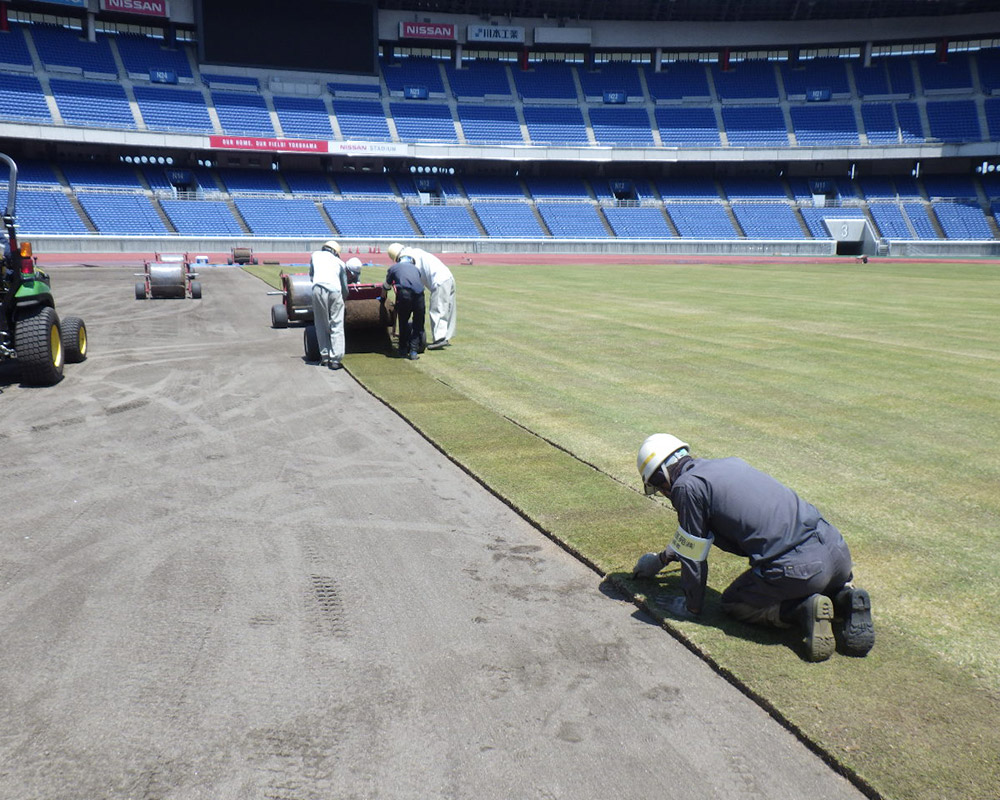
{"points": [[661, 128], [766, 226]]}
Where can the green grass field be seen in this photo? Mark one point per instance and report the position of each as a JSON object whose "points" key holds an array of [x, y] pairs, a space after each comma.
{"points": [[870, 389]]}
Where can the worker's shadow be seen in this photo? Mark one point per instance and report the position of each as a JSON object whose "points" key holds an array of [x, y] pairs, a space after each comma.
{"points": [[660, 589]]}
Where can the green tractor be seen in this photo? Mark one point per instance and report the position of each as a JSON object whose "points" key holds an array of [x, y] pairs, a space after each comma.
{"points": [[30, 329]]}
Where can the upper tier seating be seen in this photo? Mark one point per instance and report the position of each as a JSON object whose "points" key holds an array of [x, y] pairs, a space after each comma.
{"points": [[414, 71], [308, 183], [910, 127], [140, 54], [445, 221], [555, 124], [122, 214], [950, 186], [871, 81], [303, 117], [478, 79], [678, 80], [168, 109], [880, 123], [485, 123], [242, 113], [813, 74], [84, 175], [66, 50], [745, 80], [362, 184], [557, 188], [991, 105], [686, 189], [374, 218], [753, 188], [93, 105], [21, 99], [572, 220], [824, 124], [755, 126], [545, 81], [621, 126], [509, 220], [611, 77], [361, 119], [638, 223], [201, 217], [953, 75], [418, 121], [687, 127], [954, 120], [14, 49], [988, 62], [900, 71], [250, 181], [487, 187]]}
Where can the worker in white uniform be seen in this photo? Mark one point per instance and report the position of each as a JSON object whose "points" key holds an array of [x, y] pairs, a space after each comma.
{"points": [[438, 278], [354, 270], [329, 277]]}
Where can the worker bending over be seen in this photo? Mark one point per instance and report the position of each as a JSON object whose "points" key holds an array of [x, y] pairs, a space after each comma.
{"points": [[329, 277], [441, 283], [410, 305], [800, 566]]}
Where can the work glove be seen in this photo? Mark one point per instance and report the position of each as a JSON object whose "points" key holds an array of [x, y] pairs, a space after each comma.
{"points": [[676, 606], [647, 566]]}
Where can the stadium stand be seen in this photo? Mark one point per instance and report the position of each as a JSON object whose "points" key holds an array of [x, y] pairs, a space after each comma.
{"points": [[802, 77], [954, 120], [621, 126], [64, 50], [479, 80], [123, 214], [48, 212], [142, 54], [242, 113], [746, 80], [311, 183], [755, 126], [361, 119], [280, 217], [445, 221], [546, 81], [250, 181], [557, 188], [871, 81], [638, 223], [953, 75], [890, 220], [168, 109], [91, 104], [686, 189], [303, 117], [508, 220], [88, 176], [753, 188], [962, 220], [917, 214], [369, 218], [201, 217], [611, 77], [364, 185], [21, 99], [488, 187], [949, 186], [680, 80], [572, 220], [488, 123], [555, 124], [824, 124], [814, 217], [418, 121], [701, 220], [414, 71], [687, 127], [767, 221], [910, 126], [880, 123], [14, 53]]}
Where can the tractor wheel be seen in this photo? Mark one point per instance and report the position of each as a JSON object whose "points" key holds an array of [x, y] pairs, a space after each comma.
{"points": [[279, 316], [140, 290], [310, 343], [39, 347], [196, 290], [74, 338]]}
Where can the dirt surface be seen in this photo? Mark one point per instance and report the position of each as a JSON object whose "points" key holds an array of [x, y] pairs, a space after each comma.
{"points": [[225, 573]]}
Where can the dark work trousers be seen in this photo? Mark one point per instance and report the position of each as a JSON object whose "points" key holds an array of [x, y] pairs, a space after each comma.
{"points": [[821, 564], [410, 312]]}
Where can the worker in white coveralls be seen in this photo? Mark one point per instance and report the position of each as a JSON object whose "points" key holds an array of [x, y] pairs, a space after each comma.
{"points": [[353, 269], [800, 567], [329, 277], [438, 278]]}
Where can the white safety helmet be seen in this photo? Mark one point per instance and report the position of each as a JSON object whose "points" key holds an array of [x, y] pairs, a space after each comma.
{"points": [[332, 246], [394, 250], [658, 451], [354, 263]]}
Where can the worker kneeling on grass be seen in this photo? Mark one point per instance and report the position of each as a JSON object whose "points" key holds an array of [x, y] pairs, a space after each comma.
{"points": [[441, 283], [800, 566], [329, 277]]}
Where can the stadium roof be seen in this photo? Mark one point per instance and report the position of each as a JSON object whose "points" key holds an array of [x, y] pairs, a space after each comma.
{"points": [[697, 10]]}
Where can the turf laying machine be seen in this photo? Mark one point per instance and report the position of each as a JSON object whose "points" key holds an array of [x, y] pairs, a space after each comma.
{"points": [[31, 331], [242, 256], [296, 300], [168, 275], [366, 311]]}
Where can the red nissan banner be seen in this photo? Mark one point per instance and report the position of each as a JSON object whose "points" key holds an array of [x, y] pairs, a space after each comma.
{"points": [[149, 8], [272, 145], [427, 30]]}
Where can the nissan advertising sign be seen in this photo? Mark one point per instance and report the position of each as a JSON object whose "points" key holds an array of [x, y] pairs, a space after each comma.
{"points": [[148, 8], [427, 30]]}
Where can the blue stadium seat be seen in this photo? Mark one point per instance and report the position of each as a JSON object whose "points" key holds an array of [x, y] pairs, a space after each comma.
{"points": [[167, 109], [900, 73], [953, 75], [919, 219], [767, 221], [910, 127], [621, 126], [753, 188], [122, 214], [508, 220], [687, 189], [701, 220], [314, 183], [445, 221], [611, 77], [63, 47], [412, 71], [890, 221], [141, 54], [419, 121], [85, 175], [678, 80], [746, 80], [14, 49], [490, 187], [880, 123], [755, 126], [303, 117], [824, 124], [93, 105], [991, 105], [572, 220], [687, 127], [201, 217], [242, 113], [954, 120], [871, 81], [638, 222], [277, 217], [22, 99], [250, 181], [488, 123], [949, 186], [545, 188], [369, 218], [545, 81], [478, 79], [47, 212], [962, 220], [988, 62], [877, 187], [364, 185], [815, 73], [361, 119], [555, 124]]}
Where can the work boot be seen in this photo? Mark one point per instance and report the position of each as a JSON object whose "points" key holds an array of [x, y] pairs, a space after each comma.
{"points": [[854, 610], [413, 355], [437, 344], [815, 615], [336, 365]]}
